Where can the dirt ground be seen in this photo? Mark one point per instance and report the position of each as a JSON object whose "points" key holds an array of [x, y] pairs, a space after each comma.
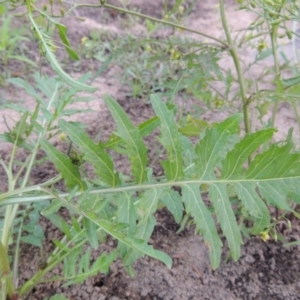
{"points": [[266, 270]]}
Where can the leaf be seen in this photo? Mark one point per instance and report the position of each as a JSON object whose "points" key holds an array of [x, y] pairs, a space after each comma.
{"points": [[210, 148], [291, 81], [203, 220], [98, 157], [111, 230], [53, 61], [246, 191], [91, 232], [170, 139], [146, 207], [233, 164], [145, 128], [226, 218], [126, 212], [136, 149], [172, 201], [64, 165], [62, 30]]}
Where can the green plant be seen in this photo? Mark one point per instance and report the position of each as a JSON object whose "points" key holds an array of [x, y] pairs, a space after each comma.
{"points": [[10, 44], [242, 174]]}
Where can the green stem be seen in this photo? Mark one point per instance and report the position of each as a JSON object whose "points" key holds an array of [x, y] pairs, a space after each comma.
{"points": [[165, 22], [238, 68], [6, 282], [55, 258], [274, 32]]}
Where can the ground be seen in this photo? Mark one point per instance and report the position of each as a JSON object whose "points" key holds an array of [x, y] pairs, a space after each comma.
{"points": [[266, 270]]}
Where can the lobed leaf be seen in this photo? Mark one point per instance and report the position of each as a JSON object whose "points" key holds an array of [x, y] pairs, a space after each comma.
{"points": [[98, 157], [136, 149], [233, 164], [210, 148], [226, 218], [64, 165], [203, 220], [170, 139]]}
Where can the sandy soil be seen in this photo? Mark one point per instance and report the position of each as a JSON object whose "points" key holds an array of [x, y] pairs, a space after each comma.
{"points": [[266, 270]]}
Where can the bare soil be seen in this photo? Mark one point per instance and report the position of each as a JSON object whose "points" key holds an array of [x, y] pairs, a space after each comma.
{"points": [[266, 270]]}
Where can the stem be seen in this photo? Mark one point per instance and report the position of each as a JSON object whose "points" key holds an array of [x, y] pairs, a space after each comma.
{"points": [[6, 282], [274, 31], [236, 60], [129, 12]]}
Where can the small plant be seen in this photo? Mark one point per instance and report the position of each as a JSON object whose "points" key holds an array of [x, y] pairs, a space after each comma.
{"points": [[10, 45], [243, 174]]}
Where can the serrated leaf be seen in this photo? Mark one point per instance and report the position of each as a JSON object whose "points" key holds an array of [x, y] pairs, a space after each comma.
{"points": [[136, 149], [99, 158], [170, 139], [126, 212], [62, 30], [203, 220], [211, 146], [172, 201], [145, 128], [246, 191], [103, 262], [226, 218], [91, 232], [113, 231], [146, 207], [64, 165], [233, 164]]}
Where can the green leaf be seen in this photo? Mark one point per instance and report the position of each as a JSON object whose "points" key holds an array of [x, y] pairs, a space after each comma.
{"points": [[145, 128], [291, 81], [98, 157], [172, 201], [53, 61], [136, 149], [126, 212], [226, 218], [62, 30], [210, 148], [146, 207], [203, 220], [112, 230], [233, 164], [256, 207], [170, 139], [64, 165], [193, 128], [91, 232]]}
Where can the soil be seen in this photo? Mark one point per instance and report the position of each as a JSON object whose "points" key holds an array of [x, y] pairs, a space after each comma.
{"points": [[266, 270]]}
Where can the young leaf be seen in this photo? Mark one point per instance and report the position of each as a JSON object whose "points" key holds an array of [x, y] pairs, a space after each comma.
{"points": [[136, 149], [63, 164], [203, 220], [62, 30], [209, 149], [170, 139], [100, 160]]}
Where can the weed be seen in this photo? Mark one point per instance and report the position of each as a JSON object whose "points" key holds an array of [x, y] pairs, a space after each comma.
{"points": [[243, 175]]}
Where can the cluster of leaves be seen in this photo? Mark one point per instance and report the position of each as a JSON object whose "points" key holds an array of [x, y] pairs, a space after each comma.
{"points": [[216, 164], [223, 178]]}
